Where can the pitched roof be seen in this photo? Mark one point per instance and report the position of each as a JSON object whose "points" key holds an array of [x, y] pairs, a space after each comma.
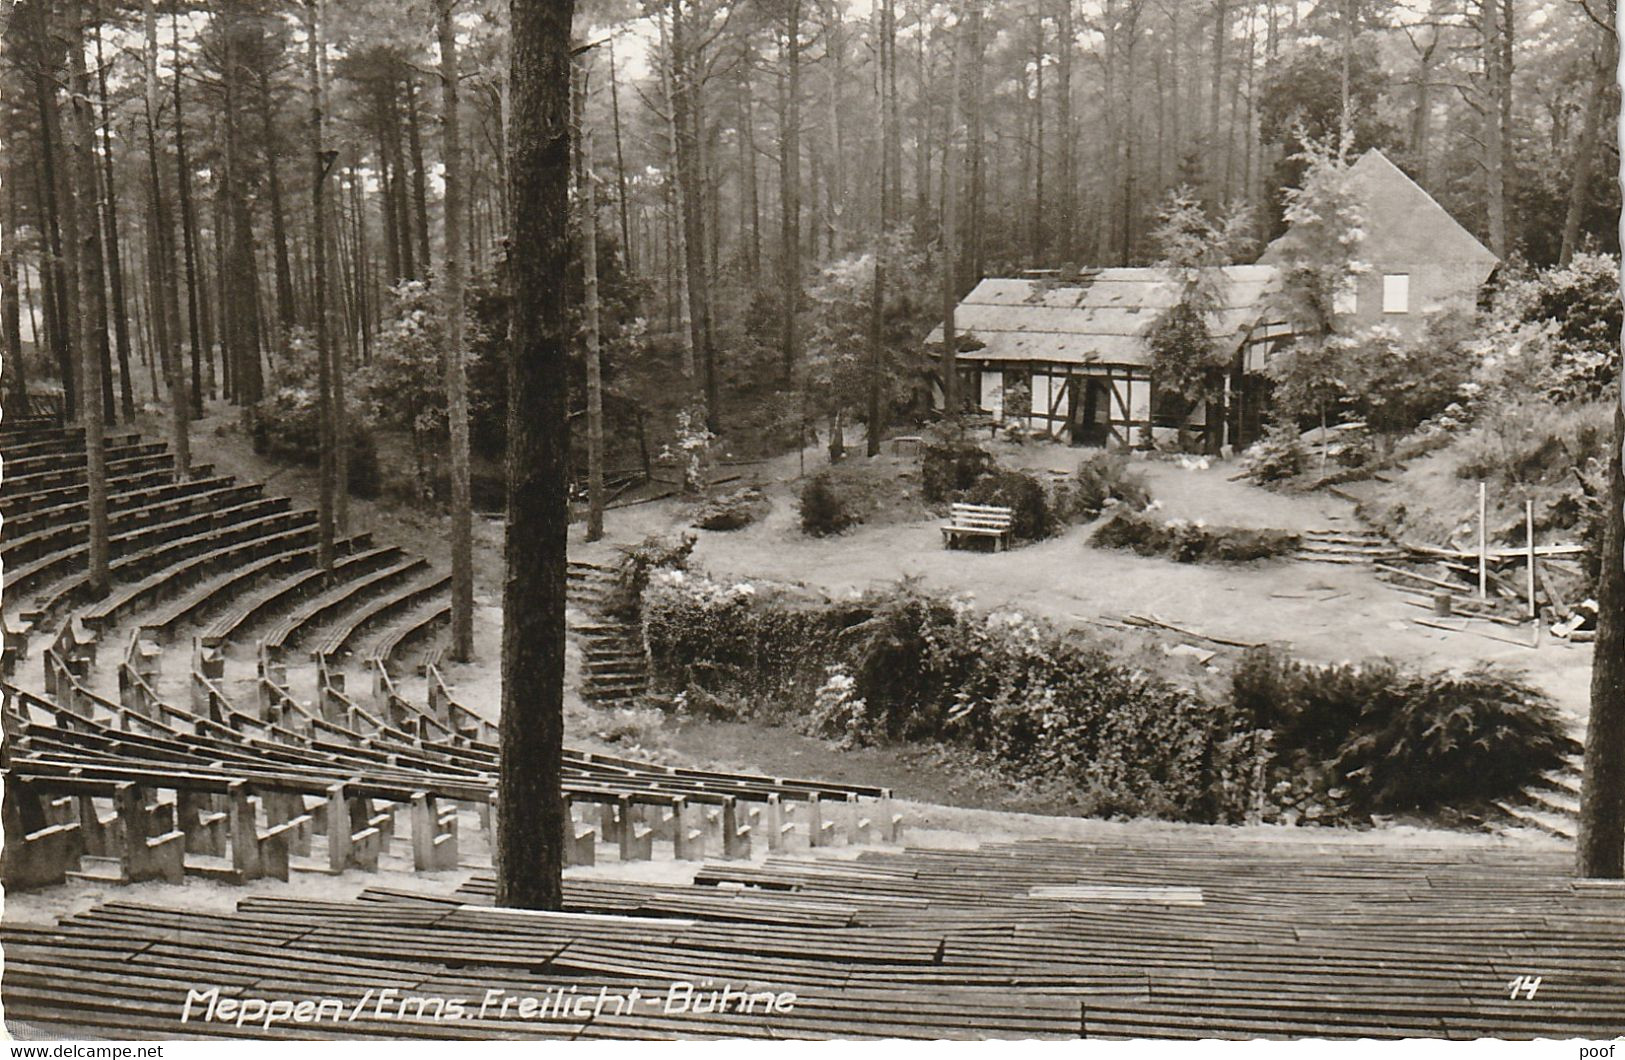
{"points": [[1403, 224], [1104, 317]]}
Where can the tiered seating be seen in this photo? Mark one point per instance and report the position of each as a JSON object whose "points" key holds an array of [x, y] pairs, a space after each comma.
{"points": [[229, 769], [1136, 933]]}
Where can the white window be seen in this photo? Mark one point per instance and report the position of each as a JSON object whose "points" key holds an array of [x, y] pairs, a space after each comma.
{"points": [[1396, 293], [1346, 299]]}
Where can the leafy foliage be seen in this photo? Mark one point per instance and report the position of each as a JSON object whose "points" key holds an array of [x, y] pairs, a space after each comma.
{"points": [[286, 424], [656, 552], [1386, 739], [824, 510], [1186, 542], [1277, 456], [1020, 492], [731, 511], [951, 462], [1104, 478]]}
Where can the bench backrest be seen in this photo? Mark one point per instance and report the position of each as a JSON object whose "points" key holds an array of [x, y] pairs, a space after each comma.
{"points": [[983, 516]]}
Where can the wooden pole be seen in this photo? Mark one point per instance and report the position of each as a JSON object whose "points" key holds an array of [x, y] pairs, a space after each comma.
{"points": [[1483, 542], [1529, 533]]}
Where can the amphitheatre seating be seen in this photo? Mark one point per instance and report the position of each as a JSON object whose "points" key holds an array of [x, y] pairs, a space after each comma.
{"points": [[121, 519], [72, 511], [1136, 932], [283, 593], [160, 551], [118, 488], [337, 599], [237, 580], [389, 645], [25, 466], [396, 601], [979, 520]]}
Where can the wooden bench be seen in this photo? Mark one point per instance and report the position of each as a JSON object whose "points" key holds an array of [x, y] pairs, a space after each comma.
{"points": [[979, 520]]}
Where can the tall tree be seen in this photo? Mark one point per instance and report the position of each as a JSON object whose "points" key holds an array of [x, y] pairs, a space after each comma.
{"points": [[587, 202], [950, 234], [1600, 848], [451, 291], [790, 188], [165, 298], [318, 249], [115, 262], [92, 308], [533, 816]]}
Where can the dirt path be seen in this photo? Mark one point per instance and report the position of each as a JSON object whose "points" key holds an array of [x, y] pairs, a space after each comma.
{"points": [[1321, 612]]}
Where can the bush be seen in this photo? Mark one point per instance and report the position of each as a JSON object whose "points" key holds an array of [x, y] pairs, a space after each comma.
{"points": [[1105, 478], [638, 563], [1191, 543], [823, 510], [1379, 738], [1022, 494], [732, 511], [1279, 455], [902, 664], [950, 464]]}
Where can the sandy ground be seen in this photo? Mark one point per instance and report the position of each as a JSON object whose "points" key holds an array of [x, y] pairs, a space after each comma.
{"points": [[1321, 612]]}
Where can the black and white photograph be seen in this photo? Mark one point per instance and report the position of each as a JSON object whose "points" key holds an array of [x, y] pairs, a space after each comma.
{"points": [[838, 520]]}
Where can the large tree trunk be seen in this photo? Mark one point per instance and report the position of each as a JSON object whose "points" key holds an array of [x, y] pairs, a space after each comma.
{"points": [[677, 245], [1065, 44], [950, 238], [92, 308], [589, 289], [532, 813], [420, 186], [279, 228], [685, 107], [790, 191], [318, 250], [188, 236], [1494, 154], [115, 262], [1586, 146], [451, 283], [884, 36], [627, 257], [1600, 848], [56, 180], [165, 299], [11, 321]]}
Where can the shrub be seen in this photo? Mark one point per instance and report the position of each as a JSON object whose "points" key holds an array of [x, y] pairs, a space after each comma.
{"points": [[1528, 443], [638, 563], [1104, 478], [1022, 494], [950, 464], [1450, 738], [1279, 455], [732, 511], [1189, 542], [823, 510], [1377, 738], [904, 664]]}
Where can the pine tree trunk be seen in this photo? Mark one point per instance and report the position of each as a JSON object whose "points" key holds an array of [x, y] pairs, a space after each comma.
{"points": [[11, 321], [188, 236], [451, 282], [92, 308], [627, 255], [533, 816], [115, 261], [1600, 848], [318, 250], [589, 288], [279, 227], [56, 179], [420, 187], [1586, 146], [1494, 155], [1068, 218], [690, 173], [950, 238], [163, 299], [677, 246], [790, 192]]}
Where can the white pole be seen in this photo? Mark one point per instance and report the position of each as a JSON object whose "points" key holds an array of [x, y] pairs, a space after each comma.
{"points": [[1529, 533], [1483, 543]]}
